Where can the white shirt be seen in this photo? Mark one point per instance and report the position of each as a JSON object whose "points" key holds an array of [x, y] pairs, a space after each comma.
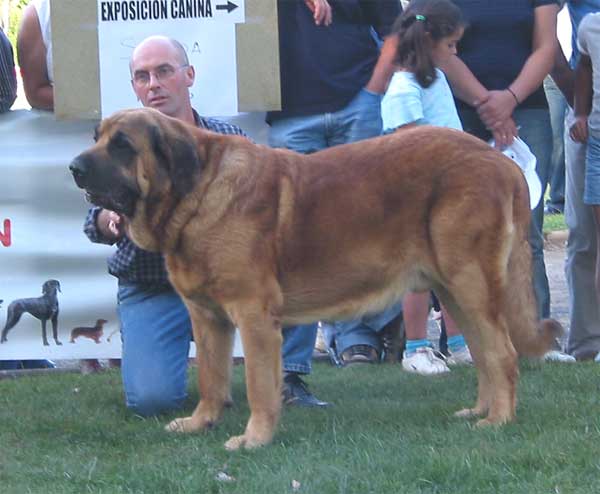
{"points": [[42, 8], [406, 101]]}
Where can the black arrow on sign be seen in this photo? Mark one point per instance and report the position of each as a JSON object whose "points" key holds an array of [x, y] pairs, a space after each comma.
{"points": [[229, 7]]}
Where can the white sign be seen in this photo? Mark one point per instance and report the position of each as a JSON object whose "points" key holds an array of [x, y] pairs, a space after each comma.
{"points": [[205, 28], [46, 261]]}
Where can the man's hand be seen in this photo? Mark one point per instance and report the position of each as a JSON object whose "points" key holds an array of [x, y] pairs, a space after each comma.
{"points": [[321, 11], [497, 108], [579, 130], [111, 224], [504, 133]]}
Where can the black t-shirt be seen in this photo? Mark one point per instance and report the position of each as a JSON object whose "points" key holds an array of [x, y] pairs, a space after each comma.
{"points": [[324, 67], [498, 41]]}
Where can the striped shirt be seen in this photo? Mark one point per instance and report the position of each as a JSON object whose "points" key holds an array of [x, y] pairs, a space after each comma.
{"points": [[8, 76], [129, 263]]}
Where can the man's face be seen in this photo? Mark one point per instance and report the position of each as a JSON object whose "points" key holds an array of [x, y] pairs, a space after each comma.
{"points": [[160, 77]]}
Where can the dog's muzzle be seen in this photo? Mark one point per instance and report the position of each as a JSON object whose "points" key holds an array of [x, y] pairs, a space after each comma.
{"points": [[80, 171]]}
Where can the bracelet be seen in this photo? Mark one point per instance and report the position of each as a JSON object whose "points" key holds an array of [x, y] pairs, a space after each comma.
{"points": [[514, 95]]}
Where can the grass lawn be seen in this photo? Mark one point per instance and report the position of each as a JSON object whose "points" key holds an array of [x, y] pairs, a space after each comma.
{"points": [[387, 432], [554, 222]]}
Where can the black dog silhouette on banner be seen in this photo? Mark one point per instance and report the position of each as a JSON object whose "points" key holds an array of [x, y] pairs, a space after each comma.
{"points": [[43, 308]]}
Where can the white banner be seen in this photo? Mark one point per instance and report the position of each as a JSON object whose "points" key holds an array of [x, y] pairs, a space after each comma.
{"points": [[206, 30], [46, 261], [41, 220]]}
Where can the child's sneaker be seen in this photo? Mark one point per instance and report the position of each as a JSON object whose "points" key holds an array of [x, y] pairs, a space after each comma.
{"points": [[460, 357], [558, 356], [424, 361]]}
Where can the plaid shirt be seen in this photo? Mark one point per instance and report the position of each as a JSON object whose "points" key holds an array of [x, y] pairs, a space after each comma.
{"points": [[8, 77], [130, 263]]}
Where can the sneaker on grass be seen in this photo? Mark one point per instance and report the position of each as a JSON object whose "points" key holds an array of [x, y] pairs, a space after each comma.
{"points": [[424, 361], [558, 356], [460, 357]]}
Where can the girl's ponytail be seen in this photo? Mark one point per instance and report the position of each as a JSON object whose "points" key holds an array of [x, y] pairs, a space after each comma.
{"points": [[423, 23]]}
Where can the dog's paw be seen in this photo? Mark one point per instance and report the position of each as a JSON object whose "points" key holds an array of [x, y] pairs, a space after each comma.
{"points": [[495, 421], [189, 424], [235, 443], [483, 423], [179, 425]]}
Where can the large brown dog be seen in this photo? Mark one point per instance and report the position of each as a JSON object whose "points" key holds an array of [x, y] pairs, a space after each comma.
{"points": [[257, 238]]}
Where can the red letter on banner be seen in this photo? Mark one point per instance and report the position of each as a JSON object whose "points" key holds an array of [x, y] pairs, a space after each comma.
{"points": [[5, 237]]}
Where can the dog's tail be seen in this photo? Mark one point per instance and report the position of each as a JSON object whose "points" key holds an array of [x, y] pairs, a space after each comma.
{"points": [[529, 336]]}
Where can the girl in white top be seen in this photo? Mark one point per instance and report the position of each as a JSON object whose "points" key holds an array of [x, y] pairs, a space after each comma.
{"points": [[428, 32]]}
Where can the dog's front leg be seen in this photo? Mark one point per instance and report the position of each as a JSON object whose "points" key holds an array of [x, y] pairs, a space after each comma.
{"points": [[261, 337], [214, 337], [44, 337], [55, 329]]}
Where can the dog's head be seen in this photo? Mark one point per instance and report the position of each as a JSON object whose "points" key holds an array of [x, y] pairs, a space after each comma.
{"points": [[50, 287], [140, 160], [101, 322]]}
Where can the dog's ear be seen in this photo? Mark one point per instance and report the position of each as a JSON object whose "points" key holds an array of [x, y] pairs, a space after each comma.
{"points": [[178, 157]]}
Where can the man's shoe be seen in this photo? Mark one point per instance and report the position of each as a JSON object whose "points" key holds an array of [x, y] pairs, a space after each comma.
{"points": [[295, 392], [551, 210], [424, 361], [359, 354], [597, 359], [460, 357]]}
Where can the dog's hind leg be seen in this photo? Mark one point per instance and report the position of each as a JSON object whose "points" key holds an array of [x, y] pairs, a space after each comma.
{"points": [[479, 297], [55, 329], [13, 315], [214, 337], [482, 403]]}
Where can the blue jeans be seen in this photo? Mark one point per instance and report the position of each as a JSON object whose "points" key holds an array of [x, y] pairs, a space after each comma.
{"points": [[580, 265], [558, 107], [361, 331], [591, 194], [536, 131], [359, 119], [156, 333]]}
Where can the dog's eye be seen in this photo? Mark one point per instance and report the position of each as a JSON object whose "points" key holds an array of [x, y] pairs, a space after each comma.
{"points": [[120, 141], [121, 147]]}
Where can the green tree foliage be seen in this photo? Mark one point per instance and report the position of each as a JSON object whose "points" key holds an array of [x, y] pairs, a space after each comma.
{"points": [[15, 11]]}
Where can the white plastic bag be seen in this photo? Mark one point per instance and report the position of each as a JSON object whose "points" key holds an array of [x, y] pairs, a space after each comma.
{"points": [[519, 152]]}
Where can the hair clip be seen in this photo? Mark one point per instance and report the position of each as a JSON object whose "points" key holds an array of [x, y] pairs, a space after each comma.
{"points": [[420, 17]]}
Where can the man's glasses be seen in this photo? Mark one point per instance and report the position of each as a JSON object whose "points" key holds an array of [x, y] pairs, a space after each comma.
{"points": [[162, 73]]}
